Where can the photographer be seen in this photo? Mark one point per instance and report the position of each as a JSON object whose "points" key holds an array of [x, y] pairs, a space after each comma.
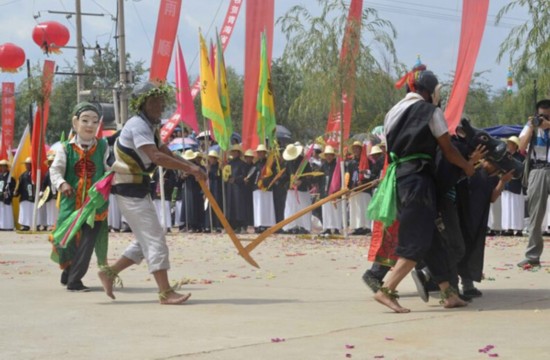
{"points": [[535, 137]]}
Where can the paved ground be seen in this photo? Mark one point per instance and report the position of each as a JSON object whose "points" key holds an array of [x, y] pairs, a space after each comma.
{"points": [[306, 302]]}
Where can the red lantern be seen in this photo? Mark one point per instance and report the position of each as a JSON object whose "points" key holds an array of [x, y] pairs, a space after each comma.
{"points": [[11, 57], [50, 36]]}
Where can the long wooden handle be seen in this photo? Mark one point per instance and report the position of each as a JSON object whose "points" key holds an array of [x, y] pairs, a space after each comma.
{"points": [[245, 254], [251, 246]]}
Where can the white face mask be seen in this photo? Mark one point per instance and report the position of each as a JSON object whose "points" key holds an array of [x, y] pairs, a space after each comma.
{"points": [[436, 96]]}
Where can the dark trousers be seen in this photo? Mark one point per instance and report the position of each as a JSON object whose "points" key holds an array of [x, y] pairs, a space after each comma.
{"points": [[83, 254]]}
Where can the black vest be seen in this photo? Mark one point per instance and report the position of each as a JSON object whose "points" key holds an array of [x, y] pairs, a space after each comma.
{"points": [[412, 135]]}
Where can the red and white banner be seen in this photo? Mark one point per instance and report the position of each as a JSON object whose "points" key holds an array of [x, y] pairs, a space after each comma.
{"points": [[38, 136], [474, 18], [350, 46], [225, 35], [8, 118], [165, 36]]}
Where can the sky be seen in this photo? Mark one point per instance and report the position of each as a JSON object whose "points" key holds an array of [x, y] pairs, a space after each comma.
{"points": [[429, 28]]}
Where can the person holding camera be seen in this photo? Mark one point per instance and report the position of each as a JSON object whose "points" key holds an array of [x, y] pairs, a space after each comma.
{"points": [[535, 137]]}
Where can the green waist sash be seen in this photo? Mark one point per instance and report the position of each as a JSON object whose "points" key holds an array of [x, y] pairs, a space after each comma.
{"points": [[383, 206]]}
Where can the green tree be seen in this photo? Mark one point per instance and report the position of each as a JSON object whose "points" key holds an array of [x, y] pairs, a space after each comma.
{"points": [[101, 79], [528, 44], [313, 50]]}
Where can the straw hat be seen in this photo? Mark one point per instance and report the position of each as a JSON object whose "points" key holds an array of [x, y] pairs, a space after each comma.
{"points": [[51, 157], [329, 150], [4, 162], [249, 152], [292, 152], [357, 143], [214, 153], [261, 147], [189, 155], [513, 139], [28, 160], [236, 147], [375, 150]]}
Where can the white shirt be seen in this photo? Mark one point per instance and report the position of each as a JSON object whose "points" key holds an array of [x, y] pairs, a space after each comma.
{"points": [[59, 165], [540, 151], [437, 124], [136, 133]]}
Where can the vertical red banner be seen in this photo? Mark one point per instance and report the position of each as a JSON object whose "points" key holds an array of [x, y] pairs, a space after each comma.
{"points": [[350, 46], [474, 18], [38, 136], [259, 18], [8, 118], [165, 36]]}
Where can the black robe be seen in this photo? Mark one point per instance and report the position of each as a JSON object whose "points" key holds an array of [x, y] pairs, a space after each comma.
{"points": [[215, 186], [7, 187], [192, 213], [25, 189], [473, 201], [238, 207]]}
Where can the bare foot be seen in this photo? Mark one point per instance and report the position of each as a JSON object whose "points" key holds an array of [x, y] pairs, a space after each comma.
{"points": [[389, 302], [173, 298], [453, 302], [107, 283]]}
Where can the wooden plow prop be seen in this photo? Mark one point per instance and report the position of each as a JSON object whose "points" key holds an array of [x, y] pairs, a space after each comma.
{"points": [[245, 254]]}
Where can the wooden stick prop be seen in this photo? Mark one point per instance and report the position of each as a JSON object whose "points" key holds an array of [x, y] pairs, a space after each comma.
{"points": [[213, 203], [251, 246]]}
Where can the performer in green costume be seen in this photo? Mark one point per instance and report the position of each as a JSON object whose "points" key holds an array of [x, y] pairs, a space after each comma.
{"points": [[78, 164]]}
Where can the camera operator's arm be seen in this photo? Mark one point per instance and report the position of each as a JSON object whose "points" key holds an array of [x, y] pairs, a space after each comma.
{"points": [[529, 131]]}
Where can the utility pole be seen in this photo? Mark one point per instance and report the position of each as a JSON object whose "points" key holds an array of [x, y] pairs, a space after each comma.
{"points": [[123, 95], [79, 59]]}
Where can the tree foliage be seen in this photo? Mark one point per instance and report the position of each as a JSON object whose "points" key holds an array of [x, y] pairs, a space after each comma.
{"points": [[313, 53]]}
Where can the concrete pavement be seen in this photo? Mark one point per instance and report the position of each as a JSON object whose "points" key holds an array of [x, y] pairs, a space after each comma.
{"points": [[306, 302]]}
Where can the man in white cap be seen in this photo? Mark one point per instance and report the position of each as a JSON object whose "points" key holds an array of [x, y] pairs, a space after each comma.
{"points": [[513, 199], [359, 201], [138, 152], [26, 191], [297, 197], [237, 211], [332, 212], [262, 196], [48, 211], [7, 187], [215, 184]]}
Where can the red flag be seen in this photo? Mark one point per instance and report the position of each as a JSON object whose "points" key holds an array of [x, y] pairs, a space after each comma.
{"points": [[351, 39], [474, 17], [259, 17], [167, 27], [185, 110], [336, 182], [8, 118], [225, 34], [363, 162], [38, 137]]}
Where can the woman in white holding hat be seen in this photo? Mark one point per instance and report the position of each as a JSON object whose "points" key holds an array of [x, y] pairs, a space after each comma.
{"points": [[332, 212], [26, 191], [298, 196], [264, 208], [7, 187], [513, 199]]}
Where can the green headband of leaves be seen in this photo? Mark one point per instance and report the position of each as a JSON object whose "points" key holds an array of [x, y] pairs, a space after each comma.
{"points": [[137, 101]]}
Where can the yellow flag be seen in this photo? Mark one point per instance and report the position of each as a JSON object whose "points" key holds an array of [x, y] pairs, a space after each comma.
{"points": [[210, 101], [18, 166], [221, 85]]}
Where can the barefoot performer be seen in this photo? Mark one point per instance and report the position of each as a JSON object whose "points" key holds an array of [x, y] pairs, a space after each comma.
{"points": [[138, 151], [414, 128]]}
